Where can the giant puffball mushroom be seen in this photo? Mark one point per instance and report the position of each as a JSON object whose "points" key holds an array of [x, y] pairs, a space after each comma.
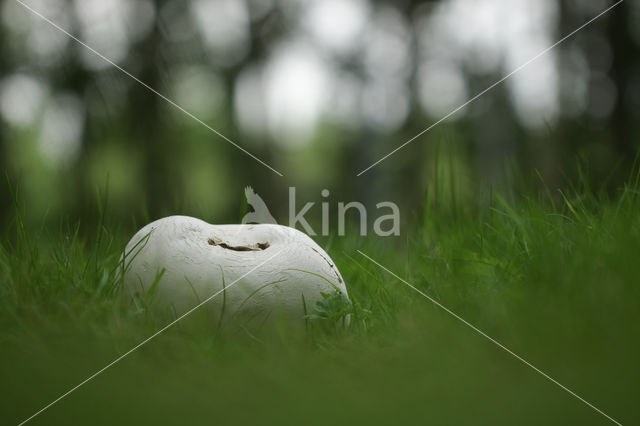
{"points": [[183, 260]]}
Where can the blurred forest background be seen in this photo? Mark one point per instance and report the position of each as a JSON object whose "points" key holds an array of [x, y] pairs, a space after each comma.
{"points": [[317, 89]]}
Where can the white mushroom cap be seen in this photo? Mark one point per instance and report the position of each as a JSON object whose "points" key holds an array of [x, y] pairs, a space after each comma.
{"points": [[200, 259]]}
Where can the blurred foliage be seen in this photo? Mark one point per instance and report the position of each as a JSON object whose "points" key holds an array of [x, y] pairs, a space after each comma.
{"points": [[72, 123]]}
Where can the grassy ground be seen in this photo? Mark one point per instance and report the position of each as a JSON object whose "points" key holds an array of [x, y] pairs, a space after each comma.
{"points": [[553, 278]]}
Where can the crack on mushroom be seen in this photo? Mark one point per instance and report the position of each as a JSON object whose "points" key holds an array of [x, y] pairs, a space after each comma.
{"points": [[249, 247], [330, 264]]}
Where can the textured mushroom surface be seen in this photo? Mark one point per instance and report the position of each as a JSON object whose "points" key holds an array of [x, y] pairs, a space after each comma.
{"points": [[198, 259]]}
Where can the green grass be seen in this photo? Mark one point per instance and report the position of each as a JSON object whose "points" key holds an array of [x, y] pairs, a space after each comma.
{"points": [[554, 277]]}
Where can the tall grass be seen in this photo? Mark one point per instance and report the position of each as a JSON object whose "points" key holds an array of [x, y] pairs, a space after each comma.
{"points": [[551, 275]]}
